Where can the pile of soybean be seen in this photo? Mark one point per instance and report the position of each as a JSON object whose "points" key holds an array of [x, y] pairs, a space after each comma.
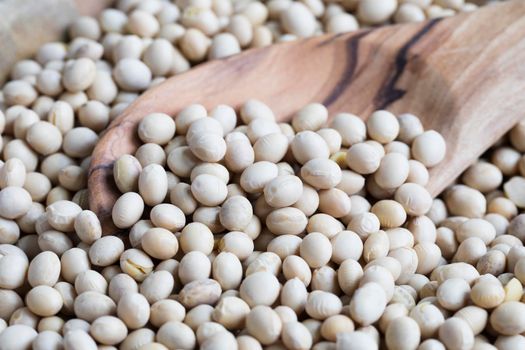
{"points": [[315, 234], [284, 235], [245, 233]]}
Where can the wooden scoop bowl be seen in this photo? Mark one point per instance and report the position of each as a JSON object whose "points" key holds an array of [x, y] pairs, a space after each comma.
{"points": [[464, 76]]}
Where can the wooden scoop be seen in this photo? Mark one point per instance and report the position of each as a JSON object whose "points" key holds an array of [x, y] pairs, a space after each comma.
{"points": [[464, 76]]}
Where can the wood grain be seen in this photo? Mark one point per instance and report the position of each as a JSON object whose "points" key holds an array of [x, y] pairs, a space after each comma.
{"points": [[27, 24], [91, 7], [463, 76]]}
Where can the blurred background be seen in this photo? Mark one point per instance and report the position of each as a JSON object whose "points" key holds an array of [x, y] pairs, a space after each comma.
{"points": [[27, 24]]}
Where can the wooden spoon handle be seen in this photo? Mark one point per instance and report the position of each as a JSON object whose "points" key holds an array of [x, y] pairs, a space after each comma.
{"points": [[27, 24], [467, 82]]}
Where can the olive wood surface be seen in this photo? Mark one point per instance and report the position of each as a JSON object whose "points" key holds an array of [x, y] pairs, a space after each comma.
{"points": [[463, 76], [27, 24]]}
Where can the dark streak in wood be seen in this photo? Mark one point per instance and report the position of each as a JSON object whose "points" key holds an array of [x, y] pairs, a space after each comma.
{"points": [[103, 167], [389, 93], [352, 49], [329, 40]]}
